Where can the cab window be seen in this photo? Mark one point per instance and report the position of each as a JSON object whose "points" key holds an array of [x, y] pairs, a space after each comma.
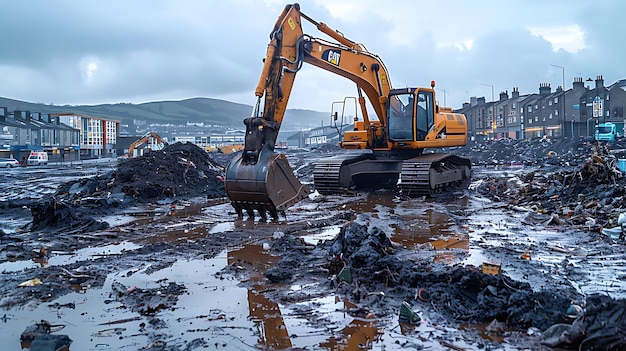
{"points": [[425, 117], [400, 117]]}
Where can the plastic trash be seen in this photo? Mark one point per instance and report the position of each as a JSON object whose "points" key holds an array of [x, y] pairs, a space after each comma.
{"points": [[407, 315]]}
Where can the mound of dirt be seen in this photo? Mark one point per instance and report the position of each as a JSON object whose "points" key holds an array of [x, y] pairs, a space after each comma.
{"points": [[178, 170]]}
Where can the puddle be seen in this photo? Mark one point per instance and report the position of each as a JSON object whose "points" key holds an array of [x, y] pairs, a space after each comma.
{"points": [[214, 312], [174, 236], [317, 236], [222, 227], [195, 315], [65, 258]]}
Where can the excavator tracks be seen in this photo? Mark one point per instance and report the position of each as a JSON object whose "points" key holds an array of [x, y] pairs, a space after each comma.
{"points": [[424, 175], [326, 176], [355, 170], [434, 174]]}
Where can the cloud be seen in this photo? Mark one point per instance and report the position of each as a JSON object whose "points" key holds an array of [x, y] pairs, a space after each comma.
{"points": [[569, 38], [70, 52]]}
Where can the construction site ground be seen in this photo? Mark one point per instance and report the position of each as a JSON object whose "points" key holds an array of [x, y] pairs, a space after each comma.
{"points": [[147, 254]]}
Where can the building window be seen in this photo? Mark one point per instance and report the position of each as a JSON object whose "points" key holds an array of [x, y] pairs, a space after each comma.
{"points": [[556, 112]]}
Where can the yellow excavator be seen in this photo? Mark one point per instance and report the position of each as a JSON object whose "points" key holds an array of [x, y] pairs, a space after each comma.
{"points": [[150, 141], [389, 146]]}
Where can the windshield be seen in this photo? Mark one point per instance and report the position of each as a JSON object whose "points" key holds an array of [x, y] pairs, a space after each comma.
{"points": [[605, 130]]}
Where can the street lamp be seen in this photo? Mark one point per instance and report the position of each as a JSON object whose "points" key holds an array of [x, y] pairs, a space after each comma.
{"points": [[445, 92], [563, 101], [493, 109], [489, 85]]}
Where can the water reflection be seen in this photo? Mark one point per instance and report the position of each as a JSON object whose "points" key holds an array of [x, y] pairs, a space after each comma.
{"points": [[359, 334], [269, 322]]}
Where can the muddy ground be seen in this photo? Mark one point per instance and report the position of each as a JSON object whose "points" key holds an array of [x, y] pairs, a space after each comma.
{"points": [[148, 254]]}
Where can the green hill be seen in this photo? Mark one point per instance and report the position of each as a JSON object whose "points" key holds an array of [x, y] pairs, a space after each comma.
{"points": [[206, 110]]}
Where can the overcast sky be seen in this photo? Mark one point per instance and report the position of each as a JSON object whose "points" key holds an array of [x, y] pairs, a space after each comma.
{"points": [[93, 52]]}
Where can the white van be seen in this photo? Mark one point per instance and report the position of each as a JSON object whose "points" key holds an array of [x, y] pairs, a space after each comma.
{"points": [[37, 158]]}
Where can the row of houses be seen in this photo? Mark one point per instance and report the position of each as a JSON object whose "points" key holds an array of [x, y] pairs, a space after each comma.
{"points": [[571, 113], [64, 136]]}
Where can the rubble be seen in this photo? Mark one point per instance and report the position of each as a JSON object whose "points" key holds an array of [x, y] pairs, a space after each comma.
{"points": [[565, 185], [591, 194], [178, 171]]}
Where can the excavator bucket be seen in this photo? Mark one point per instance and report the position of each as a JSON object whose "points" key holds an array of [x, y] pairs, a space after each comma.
{"points": [[267, 186]]}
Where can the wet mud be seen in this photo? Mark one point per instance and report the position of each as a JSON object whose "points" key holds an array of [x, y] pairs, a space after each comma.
{"points": [[149, 254]]}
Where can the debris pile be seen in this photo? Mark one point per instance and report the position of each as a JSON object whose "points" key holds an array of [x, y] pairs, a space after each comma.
{"points": [[148, 302], [462, 293], [544, 151], [177, 171], [367, 268], [592, 194], [600, 325], [180, 169]]}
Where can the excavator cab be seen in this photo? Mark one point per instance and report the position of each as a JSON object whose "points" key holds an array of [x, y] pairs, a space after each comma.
{"points": [[410, 115]]}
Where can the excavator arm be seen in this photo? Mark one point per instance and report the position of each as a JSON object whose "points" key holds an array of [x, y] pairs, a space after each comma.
{"points": [[288, 49], [260, 179], [153, 140]]}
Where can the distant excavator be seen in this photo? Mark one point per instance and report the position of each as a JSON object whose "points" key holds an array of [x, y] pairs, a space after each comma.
{"points": [[388, 150], [150, 141]]}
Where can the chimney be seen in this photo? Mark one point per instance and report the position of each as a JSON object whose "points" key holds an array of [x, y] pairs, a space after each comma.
{"points": [[515, 93], [578, 83], [480, 100], [599, 82], [504, 95], [545, 89], [473, 101]]}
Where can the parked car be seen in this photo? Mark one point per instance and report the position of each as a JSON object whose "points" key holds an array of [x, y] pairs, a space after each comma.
{"points": [[9, 163]]}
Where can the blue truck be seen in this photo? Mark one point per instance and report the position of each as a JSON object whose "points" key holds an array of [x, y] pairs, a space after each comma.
{"points": [[605, 131]]}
